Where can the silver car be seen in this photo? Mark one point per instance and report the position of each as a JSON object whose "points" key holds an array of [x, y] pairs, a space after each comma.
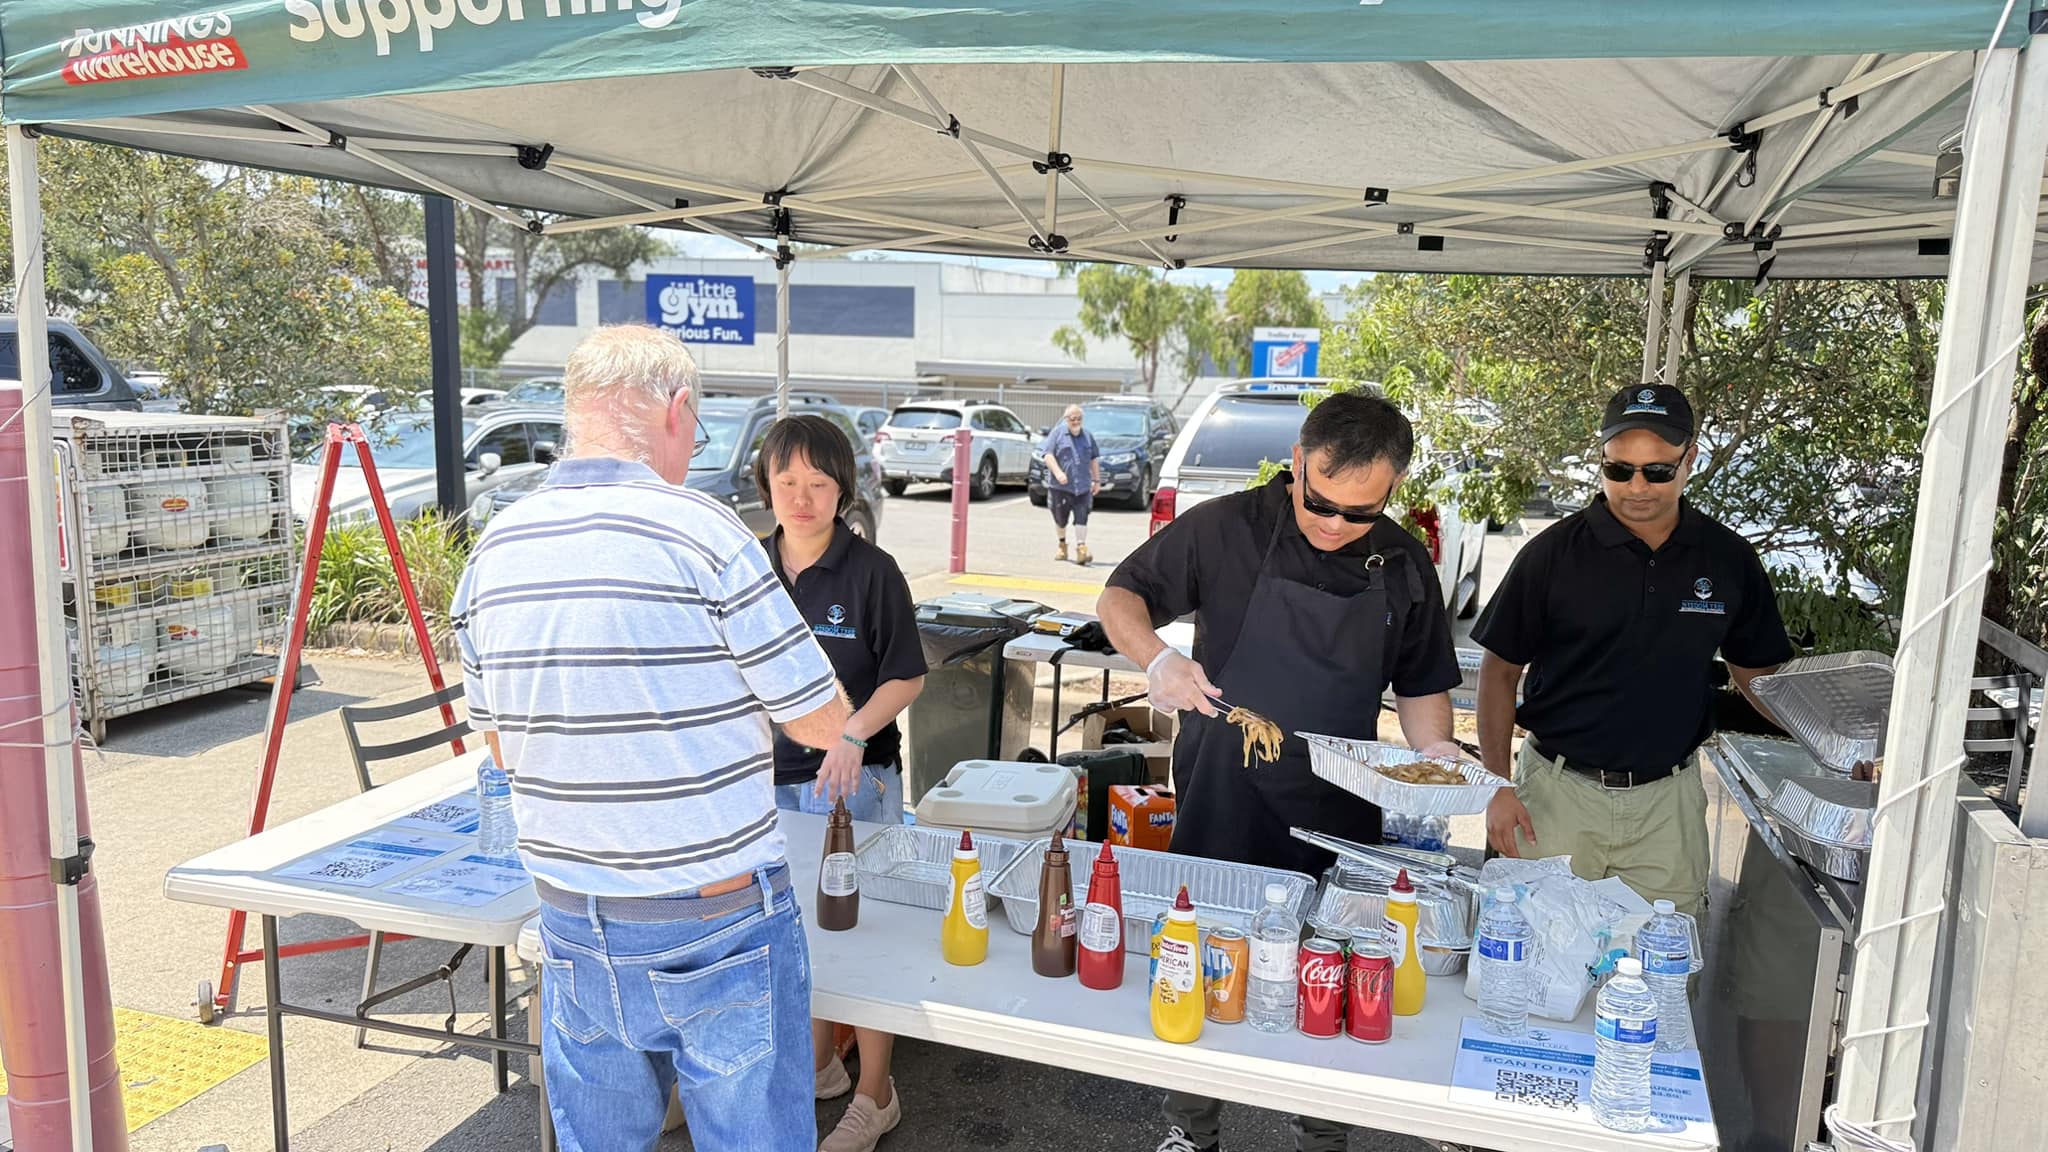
{"points": [[500, 444], [916, 445]]}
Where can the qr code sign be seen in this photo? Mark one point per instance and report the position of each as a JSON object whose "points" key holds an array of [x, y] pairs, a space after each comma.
{"points": [[441, 813], [349, 869], [1559, 1092]]}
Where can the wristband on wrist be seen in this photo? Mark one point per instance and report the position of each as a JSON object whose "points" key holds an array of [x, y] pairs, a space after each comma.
{"points": [[856, 741]]}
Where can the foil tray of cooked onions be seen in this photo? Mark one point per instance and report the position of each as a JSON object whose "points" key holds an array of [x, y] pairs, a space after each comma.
{"points": [[1400, 779]]}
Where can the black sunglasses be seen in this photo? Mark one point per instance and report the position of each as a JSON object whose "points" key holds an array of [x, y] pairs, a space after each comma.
{"points": [[1323, 509], [1621, 473]]}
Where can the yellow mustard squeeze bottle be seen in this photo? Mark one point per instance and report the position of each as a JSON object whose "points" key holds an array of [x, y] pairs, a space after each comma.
{"points": [[964, 937], [1398, 930], [1179, 1002]]}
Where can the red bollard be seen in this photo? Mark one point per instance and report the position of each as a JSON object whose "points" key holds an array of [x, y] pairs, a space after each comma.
{"points": [[963, 442], [31, 976]]}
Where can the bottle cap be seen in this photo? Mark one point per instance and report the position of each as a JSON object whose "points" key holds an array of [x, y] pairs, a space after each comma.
{"points": [[1108, 857], [1664, 907], [966, 847], [1276, 893], [1181, 903], [1504, 895], [1059, 845], [1403, 890], [1629, 966]]}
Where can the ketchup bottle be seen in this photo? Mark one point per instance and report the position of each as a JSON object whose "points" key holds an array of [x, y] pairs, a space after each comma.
{"points": [[1102, 926]]}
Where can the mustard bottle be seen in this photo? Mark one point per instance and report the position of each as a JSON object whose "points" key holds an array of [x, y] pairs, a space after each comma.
{"points": [[1398, 930], [964, 937], [1179, 1002]]}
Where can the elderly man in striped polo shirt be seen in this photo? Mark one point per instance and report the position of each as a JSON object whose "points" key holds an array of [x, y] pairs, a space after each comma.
{"points": [[625, 647]]}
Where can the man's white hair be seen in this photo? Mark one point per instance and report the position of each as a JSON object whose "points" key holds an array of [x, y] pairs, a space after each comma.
{"points": [[1072, 410], [618, 380]]}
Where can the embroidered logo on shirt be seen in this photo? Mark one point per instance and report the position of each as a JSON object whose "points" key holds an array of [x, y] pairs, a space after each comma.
{"points": [[1703, 603], [834, 626]]}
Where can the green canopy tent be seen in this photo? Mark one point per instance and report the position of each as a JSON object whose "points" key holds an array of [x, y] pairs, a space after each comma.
{"points": [[1728, 138]]}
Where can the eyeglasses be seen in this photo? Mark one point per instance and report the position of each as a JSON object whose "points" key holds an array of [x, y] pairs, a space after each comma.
{"points": [[1660, 473], [701, 440], [1323, 509]]}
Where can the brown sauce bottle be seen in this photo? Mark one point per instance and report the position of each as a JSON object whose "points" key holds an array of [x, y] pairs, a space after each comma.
{"points": [[1052, 942], [838, 885]]}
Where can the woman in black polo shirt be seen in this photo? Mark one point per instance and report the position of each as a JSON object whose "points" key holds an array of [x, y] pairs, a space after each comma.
{"points": [[857, 603]]}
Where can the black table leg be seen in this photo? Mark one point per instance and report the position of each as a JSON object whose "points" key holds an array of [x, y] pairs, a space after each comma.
{"points": [[1053, 745], [494, 981], [273, 1020]]}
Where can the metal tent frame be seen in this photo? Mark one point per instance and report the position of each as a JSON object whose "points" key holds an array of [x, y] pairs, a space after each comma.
{"points": [[1785, 177]]}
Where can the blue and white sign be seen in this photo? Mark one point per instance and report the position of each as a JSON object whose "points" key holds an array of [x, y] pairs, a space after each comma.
{"points": [[703, 309], [1285, 353]]}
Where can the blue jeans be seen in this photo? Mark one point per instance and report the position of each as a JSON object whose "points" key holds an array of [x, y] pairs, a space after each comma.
{"points": [[720, 1008], [878, 800]]}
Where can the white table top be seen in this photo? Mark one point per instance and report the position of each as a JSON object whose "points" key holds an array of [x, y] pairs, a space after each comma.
{"points": [[1040, 647], [242, 875]]}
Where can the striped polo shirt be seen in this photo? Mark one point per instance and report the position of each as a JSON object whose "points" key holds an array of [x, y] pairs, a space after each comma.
{"points": [[628, 643]]}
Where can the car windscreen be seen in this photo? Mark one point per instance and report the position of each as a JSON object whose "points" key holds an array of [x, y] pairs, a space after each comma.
{"points": [[938, 419], [1241, 431], [1113, 419], [401, 440], [722, 439]]}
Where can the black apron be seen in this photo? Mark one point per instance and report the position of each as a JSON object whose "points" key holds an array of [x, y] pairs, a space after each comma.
{"points": [[1310, 661]]}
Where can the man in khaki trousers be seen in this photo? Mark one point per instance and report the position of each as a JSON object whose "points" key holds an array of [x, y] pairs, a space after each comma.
{"points": [[1617, 613]]}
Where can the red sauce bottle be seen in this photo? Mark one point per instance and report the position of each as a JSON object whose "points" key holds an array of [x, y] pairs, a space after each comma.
{"points": [[1102, 926]]}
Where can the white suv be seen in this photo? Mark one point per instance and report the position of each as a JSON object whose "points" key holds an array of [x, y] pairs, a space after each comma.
{"points": [[916, 445], [1245, 422]]}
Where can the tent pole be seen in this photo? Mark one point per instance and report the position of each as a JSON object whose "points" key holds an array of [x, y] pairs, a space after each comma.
{"points": [[1981, 330], [1052, 145], [782, 264], [444, 340], [1653, 323], [55, 731], [1674, 328]]}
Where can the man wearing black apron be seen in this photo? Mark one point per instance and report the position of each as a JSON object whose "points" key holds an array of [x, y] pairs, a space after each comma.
{"points": [[1308, 603]]}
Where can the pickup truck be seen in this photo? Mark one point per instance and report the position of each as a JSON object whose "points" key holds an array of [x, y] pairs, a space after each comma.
{"points": [[80, 375]]}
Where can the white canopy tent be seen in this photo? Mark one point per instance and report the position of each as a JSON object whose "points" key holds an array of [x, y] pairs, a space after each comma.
{"points": [[1808, 142]]}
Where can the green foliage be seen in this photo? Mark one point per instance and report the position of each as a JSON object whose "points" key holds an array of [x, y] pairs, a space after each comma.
{"points": [[357, 584], [1812, 399], [543, 264], [1160, 319], [1260, 298], [486, 337]]}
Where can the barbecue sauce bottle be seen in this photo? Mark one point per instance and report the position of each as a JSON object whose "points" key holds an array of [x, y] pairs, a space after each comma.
{"points": [[838, 886], [1102, 926], [1052, 943]]}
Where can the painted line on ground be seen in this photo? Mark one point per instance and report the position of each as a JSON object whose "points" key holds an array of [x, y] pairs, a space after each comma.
{"points": [[1025, 584]]}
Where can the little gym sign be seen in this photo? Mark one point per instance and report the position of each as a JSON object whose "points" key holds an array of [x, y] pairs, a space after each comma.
{"points": [[703, 309]]}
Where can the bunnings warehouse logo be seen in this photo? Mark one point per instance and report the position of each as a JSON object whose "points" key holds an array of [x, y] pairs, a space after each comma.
{"points": [[176, 46], [387, 21]]}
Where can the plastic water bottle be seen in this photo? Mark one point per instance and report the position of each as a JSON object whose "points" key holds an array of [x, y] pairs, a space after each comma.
{"points": [[1502, 952], [1624, 1036], [496, 834], [1664, 946], [1276, 945]]}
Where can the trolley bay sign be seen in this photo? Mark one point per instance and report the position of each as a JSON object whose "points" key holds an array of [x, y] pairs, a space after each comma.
{"points": [[703, 309]]}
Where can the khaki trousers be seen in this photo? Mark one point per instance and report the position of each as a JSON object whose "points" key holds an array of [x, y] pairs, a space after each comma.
{"points": [[1653, 837]]}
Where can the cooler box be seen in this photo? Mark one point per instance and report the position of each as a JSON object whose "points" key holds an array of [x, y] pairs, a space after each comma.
{"points": [[1002, 798], [1141, 817]]}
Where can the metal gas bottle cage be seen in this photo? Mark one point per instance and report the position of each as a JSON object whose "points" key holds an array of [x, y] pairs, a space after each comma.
{"points": [[217, 996]]}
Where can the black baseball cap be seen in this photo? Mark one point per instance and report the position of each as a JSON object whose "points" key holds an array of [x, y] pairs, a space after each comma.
{"points": [[1659, 408]]}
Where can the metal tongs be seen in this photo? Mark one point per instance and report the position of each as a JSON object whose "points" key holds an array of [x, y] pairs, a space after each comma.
{"points": [[1437, 869]]}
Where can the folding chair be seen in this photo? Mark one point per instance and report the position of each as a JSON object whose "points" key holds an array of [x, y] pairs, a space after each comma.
{"points": [[353, 719]]}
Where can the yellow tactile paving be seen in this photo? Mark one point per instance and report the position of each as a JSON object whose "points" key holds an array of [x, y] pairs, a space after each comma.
{"points": [[1025, 584], [166, 1062]]}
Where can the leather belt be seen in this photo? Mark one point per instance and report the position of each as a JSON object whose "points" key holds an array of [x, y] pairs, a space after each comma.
{"points": [[663, 909], [1610, 778]]}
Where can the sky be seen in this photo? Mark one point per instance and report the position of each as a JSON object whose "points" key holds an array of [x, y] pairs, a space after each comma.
{"points": [[704, 247]]}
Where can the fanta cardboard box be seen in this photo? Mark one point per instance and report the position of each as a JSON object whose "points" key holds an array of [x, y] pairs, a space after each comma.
{"points": [[1140, 816]]}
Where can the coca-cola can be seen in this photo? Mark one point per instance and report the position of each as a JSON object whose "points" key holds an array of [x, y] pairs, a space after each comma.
{"points": [[1319, 1009], [1369, 993]]}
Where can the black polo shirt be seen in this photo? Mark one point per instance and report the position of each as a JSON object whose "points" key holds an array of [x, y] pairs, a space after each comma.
{"points": [[858, 606], [1207, 562], [1619, 640]]}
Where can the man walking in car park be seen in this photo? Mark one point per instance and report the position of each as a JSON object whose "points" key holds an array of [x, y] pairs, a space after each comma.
{"points": [[625, 646], [1617, 612], [1073, 468]]}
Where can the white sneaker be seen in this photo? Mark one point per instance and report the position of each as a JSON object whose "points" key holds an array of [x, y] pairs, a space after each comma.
{"points": [[864, 1124], [1177, 1141], [833, 1082]]}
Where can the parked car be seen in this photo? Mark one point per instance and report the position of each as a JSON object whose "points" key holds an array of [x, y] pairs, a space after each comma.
{"points": [[1133, 433], [152, 390], [544, 390], [1246, 422], [868, 420], [724, 470], [501, 445], [916, 445], [80, 375]]}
